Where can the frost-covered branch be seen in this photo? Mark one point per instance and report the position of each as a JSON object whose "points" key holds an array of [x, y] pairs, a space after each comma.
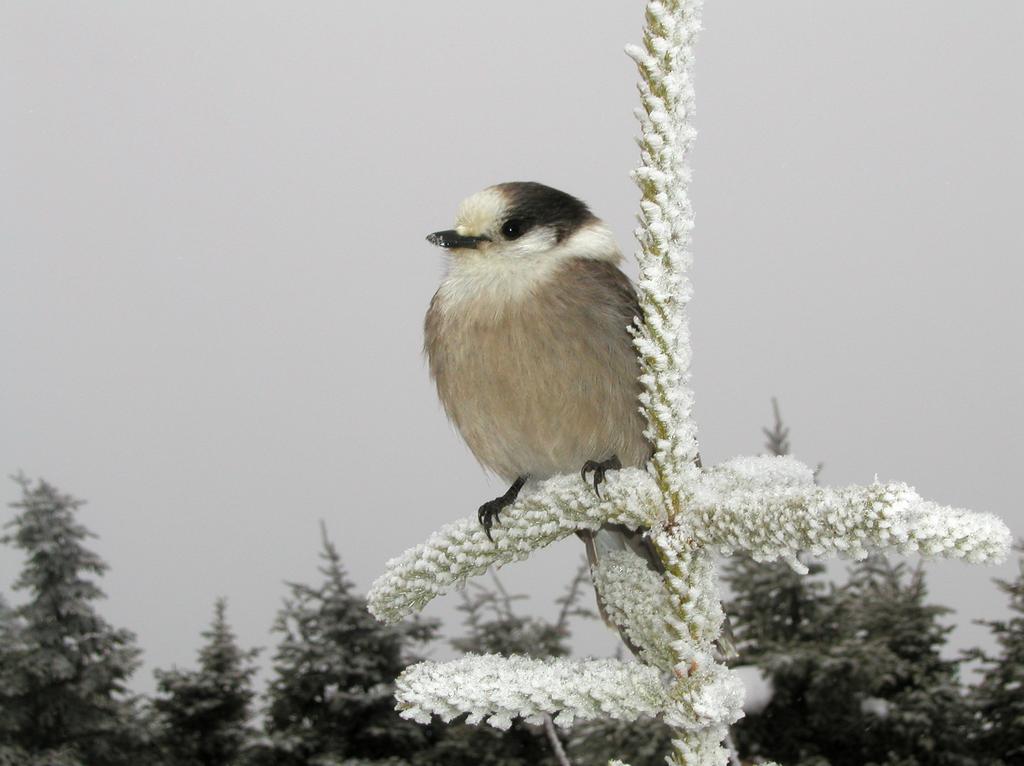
{"points": [[542, 515], [770, 508], [498, 689], [706, 697], [665, 62]]}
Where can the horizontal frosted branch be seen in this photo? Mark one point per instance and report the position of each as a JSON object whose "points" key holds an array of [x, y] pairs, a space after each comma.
{"points": [[499, 689], [770, 508], [543, 514]]}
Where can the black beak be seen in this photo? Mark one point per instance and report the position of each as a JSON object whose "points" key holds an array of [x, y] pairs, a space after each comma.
{"points": [[452, 240]]}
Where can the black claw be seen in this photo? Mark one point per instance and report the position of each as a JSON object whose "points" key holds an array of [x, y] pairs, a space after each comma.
{"points": [[490, 511], [488, 514], [600, 468]]}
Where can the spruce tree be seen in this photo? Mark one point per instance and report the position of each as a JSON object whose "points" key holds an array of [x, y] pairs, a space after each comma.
{"points": [[204, 713], [908, 696], [998, 699], [868, 684], [63, 697], [331, 695], [494, 627], [778, 434], [793, 652]]}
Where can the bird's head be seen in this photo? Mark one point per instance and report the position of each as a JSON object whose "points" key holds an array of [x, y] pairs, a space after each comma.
{"points": [[525, 224]]}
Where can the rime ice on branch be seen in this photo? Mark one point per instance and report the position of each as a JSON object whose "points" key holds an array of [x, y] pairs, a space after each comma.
{"points": [[498, 689], [542, 515], [766, 507]]}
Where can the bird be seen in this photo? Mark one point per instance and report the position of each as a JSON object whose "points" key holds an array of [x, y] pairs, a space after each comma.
{"points": [[528, 340]]}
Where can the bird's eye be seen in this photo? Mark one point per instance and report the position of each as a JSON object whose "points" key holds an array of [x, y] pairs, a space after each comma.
{"points": [[513, 228]]}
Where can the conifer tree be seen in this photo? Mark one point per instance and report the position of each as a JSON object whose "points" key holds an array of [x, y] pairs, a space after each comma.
{"points": [[778, 434], [998, 699], [63, 696], [331, 695], [204, 713], [867, 684], [10, 638], [8, 622], [908, 699]]}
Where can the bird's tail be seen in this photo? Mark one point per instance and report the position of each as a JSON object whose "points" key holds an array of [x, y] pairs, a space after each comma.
{"points": [[612, 538]]}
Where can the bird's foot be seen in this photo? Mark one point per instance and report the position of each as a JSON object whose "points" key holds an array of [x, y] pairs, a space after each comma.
{"points": [[600, 467], [489, 511]]}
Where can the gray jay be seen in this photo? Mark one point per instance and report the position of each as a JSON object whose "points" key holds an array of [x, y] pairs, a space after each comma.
{"points": [[528, 342]]}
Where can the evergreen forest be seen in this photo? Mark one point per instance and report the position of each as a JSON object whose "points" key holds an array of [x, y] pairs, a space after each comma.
{"points": [[851, 673]]}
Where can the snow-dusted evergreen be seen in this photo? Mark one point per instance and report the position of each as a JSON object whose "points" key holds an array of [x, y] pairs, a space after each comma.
{"points": [[768, 507], [906, 691], [330, 696], [998, 699], [63, 668], [856, 675], [204, 713]]}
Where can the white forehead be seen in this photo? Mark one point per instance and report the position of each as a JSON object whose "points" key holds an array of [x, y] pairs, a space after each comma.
{"points": [[479, 212]]}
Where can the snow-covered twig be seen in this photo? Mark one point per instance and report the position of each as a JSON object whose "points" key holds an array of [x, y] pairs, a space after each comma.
{"points": [[556, 743], [498, 689], [543, 514], [770, 508], [665, 62]]}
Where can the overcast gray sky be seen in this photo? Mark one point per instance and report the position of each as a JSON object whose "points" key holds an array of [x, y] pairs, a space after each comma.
{"points": [[214, 273]]}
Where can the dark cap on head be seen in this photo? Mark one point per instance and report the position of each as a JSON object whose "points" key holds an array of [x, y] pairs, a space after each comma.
{"points": [[537, 204]]}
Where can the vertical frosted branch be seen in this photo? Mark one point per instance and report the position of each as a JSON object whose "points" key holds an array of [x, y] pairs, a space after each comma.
{"points": [[665, 61], [705, 697]]}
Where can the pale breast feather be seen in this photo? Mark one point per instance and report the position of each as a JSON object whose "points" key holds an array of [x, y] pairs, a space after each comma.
{"points": [[546, 381]]}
